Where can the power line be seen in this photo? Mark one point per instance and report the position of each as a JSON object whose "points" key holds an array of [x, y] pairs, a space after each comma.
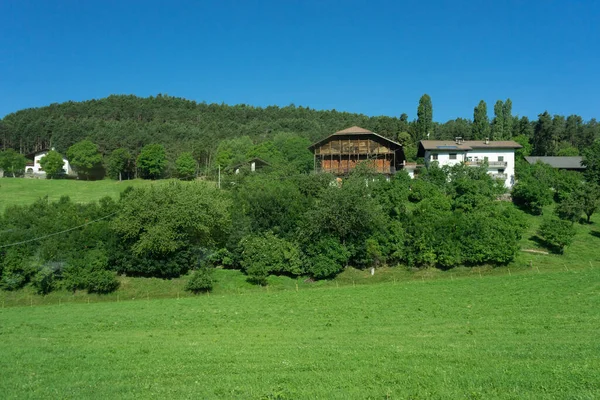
{"points": [[57, 233]]}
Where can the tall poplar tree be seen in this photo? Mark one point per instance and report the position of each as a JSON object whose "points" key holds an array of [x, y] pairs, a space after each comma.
{"points": [[508, 119], [481, 124], [424, 117], [498, 122]]}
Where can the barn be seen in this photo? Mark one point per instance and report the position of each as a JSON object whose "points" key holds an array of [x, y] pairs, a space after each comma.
{"points": [[341, 152]]}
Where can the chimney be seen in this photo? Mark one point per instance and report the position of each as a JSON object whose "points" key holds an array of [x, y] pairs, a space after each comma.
{"points": [[487, 140], [458, 140]]}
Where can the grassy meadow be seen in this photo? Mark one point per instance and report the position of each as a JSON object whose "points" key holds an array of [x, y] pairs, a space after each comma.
{"points": [[529, 335], [19, 191], [524, 331]]}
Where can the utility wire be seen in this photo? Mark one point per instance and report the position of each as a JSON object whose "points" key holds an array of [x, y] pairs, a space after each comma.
{"points": [[57, 233]]}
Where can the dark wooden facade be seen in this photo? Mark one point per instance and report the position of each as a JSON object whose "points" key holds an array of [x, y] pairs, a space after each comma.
{"points": [[342, 151]]}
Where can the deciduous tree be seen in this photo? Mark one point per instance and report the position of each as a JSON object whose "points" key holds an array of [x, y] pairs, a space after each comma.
{"points": [[186, 166], [120, 163], [591, 160], [557, 234], [481, 124], [53, 164], [424, 117], [152, 161], [12, 163], [498, 122], [84, 157]]}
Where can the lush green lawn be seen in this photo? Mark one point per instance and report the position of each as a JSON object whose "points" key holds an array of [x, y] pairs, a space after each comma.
{"points": [[25, 191], [531, 335]]}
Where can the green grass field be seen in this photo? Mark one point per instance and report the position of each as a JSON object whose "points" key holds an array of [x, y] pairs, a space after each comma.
{"points": [[529, 335], [526, 330], [19, 191]]}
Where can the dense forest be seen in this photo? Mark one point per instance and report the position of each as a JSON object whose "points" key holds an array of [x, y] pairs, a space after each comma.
{"points": [[181, 125]]}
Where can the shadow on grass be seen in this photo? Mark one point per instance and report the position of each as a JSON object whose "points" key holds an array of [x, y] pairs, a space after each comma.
{"points": [[545, 245], [595, 233]]}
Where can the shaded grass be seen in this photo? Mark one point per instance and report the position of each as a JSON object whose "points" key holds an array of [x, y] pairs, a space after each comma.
{"points": [[527, 335]]}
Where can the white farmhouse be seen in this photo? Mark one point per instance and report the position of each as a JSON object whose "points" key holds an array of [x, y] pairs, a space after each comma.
{"points": [[33, 167], [499, 155]]}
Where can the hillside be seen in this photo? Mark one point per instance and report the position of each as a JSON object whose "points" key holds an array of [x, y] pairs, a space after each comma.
{"points": [[520, 336], [179, 124], [182, 125]]}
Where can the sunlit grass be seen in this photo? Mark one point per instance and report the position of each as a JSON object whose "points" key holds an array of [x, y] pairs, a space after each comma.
{"points": [[23, 191], [527, 335]]}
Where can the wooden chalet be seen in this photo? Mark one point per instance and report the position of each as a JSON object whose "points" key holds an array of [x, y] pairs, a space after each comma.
{"points": [[341, 152]]}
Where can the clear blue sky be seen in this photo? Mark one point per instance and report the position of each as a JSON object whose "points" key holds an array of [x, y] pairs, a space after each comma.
{"points": [[372, 57]]}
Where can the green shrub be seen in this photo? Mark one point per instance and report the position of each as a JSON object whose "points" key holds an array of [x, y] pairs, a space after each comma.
{"points": [[222, 257], [101, 282], [15, 269], [73, 278], [557, 234], [200, 281], [43, 282], [12, 280], [532, 195], [266, 254], [325, 257]]}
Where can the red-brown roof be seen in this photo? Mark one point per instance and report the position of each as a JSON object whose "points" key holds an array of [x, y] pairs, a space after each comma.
{"points": [[469, 144], [355, 130], [465, 145]]}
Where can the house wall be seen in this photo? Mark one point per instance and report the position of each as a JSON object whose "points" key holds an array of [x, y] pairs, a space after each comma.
{"points": [[471, 157], [345, 165], [36, 168]]}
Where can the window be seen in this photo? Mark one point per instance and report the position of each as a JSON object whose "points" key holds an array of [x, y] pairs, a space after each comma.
{"points": [[501, 171], [453, 156], [500, 158], [434, 157]]}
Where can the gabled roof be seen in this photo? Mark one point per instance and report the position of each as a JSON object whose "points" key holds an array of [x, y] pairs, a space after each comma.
{"points": [[257, 160], [32, 155], [353, 129], [558, 162], [357, 131], [465, 145]]}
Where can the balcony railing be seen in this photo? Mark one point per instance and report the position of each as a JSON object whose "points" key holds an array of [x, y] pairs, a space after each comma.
{"points": [[500, 176], [492, 164], [344, 171]]}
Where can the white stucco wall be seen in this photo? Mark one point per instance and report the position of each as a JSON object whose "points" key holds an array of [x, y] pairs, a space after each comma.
{"points": [[36, 168], [479, 155]]}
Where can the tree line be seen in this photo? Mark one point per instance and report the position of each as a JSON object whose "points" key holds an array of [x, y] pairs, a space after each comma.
{"points": [[271, 222], [282, 222], [130, 123]]}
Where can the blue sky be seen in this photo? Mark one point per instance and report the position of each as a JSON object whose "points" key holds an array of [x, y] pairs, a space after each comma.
{"points": [[372, 57]]}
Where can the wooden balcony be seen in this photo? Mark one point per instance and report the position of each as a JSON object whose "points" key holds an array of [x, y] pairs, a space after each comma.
{"points": [[491, 164]]}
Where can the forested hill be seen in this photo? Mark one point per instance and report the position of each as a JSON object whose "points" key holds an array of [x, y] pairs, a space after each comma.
{"points": [[183, 125], [178, 124]]}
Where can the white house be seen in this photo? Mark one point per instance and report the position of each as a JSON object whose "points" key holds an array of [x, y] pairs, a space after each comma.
{"points": [[34, 168], [499, 155]]}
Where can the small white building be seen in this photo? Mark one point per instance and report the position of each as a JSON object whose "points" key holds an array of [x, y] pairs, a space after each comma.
{"points": [[34, 168], [499, 155], [253, 165]]}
